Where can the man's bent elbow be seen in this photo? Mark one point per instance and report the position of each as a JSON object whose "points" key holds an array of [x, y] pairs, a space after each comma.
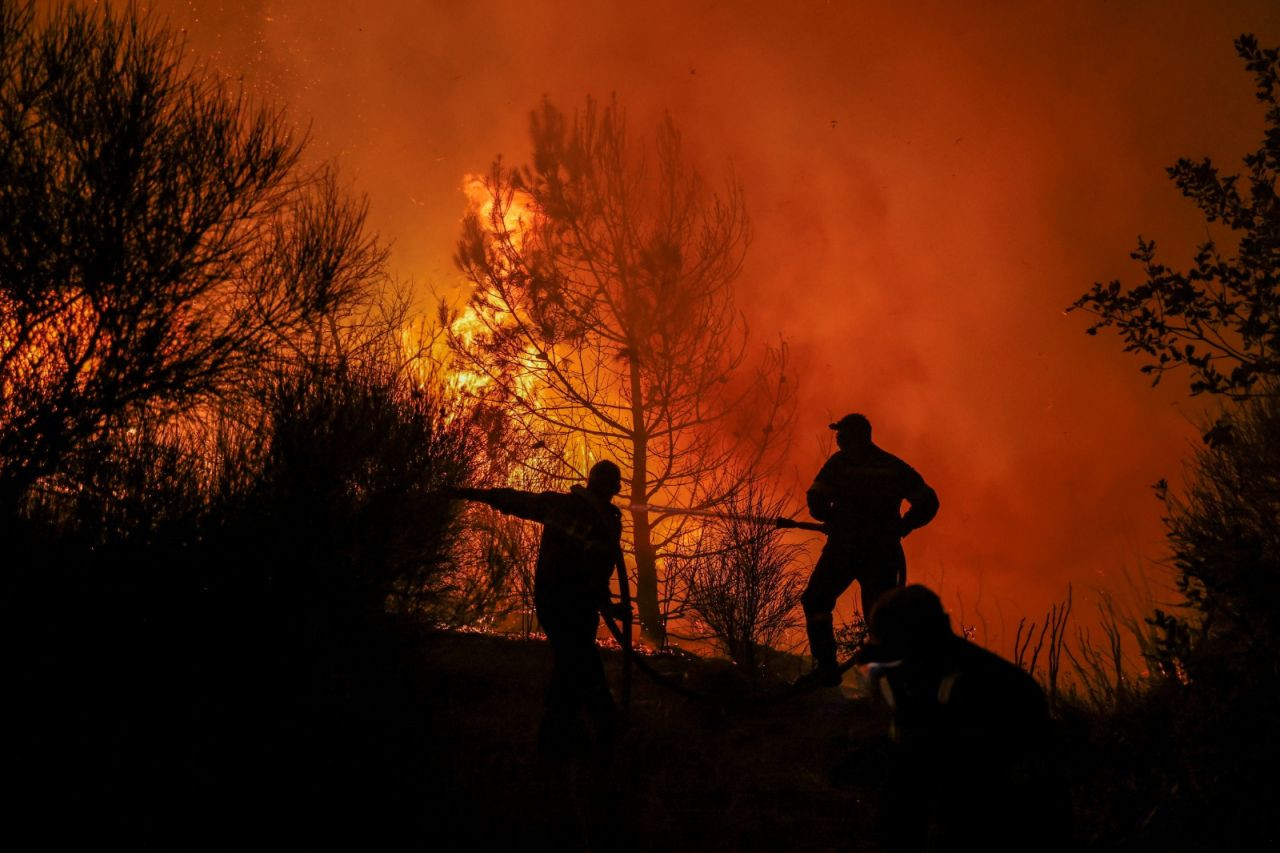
{"points": [[924, 506], [819, 505]]}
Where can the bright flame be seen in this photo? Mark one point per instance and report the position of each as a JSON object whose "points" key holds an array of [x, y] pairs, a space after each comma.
{"points": [[517, 209], [428, 351]]}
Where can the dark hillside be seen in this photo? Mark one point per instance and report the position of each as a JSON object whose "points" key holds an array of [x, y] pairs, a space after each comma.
{"points": [[799, 773]]}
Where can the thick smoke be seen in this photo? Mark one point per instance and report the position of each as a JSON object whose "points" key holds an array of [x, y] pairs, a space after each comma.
{"points": [[930, 185]]}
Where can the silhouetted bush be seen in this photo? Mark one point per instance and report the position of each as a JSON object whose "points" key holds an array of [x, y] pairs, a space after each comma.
{"points": [[1198, 751], [1225, 534], [159, 240], [349, 502], [227, 618], [1181, 756], [740, 584], [1185, 763]]}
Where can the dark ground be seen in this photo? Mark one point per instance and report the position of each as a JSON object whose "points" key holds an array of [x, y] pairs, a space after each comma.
{"points": [[796, 774], [425, 743]]}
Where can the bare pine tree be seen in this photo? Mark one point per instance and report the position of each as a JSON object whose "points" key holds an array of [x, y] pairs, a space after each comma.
{"points": [[603, 317], [740, 585]]}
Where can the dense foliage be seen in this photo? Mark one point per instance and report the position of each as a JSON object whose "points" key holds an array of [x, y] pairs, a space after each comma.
{"points": [[219, 488], [1187, 762], [1220, 319]]}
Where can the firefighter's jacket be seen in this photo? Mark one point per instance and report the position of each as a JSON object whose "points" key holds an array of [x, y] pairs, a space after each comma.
{"points": [[859, 494], [975, 751], [956, 694], [581, 544]]}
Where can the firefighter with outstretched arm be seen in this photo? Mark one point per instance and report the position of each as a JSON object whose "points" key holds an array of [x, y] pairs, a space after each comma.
{"points": [[579, 551]]}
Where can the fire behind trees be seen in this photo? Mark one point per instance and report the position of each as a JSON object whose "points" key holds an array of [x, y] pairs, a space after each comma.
{"points": [[218, 485], [185, 306], [221, 485], [220, 488], [163, 244], [603, 317]]}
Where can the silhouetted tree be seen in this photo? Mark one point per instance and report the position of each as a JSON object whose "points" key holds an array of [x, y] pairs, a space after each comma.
{"points": [[158, 239], [1221, 656], [604, 318], [218, 485], [1221, 318]]}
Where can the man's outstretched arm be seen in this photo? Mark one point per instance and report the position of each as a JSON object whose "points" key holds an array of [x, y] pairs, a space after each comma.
{"points": [[526, 505]]}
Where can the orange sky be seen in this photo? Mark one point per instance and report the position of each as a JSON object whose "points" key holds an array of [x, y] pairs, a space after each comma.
{"points": [[930, 184]]}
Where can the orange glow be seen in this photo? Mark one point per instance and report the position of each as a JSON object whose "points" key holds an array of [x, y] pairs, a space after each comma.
{"points": [[49, 347], [930, 184], [427, 352], [516, 212], [513, 218]]}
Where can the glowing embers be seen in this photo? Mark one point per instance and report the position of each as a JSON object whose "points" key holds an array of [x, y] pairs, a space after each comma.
{"points": [[57, 342]]}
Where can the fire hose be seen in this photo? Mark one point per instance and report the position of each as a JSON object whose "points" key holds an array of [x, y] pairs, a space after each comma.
{"points": [[762, 520], [623, 632]]}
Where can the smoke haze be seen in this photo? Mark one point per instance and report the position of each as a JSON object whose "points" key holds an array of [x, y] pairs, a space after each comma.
{"points": [[930, 185]]}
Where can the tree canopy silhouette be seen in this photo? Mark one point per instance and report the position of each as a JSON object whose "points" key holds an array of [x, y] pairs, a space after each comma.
{"points": [[1220, 319], [159, 238], [1219, 653], [603, 315]]}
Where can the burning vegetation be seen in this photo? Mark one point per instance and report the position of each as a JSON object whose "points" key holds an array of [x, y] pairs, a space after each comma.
{"points": [[602, 321], [227, 447]]}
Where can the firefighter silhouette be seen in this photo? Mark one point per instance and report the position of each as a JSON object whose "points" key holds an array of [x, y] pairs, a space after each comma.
{"points": [[579, 550], [974, 765], [858, 495]]}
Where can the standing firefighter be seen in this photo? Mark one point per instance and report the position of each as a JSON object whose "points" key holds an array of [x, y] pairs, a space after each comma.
{"points": [[858, 496], [580, 548]]}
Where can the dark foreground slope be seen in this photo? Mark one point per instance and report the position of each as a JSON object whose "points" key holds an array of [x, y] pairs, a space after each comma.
{"points": [[796, 774]]}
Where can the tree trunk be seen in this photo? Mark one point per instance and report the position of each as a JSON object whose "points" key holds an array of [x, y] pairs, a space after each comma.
{"points": [[651, 623], [646, 570]]}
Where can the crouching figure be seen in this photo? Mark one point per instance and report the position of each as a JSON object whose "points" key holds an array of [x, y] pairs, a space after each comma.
{"points": [[974, 764]]}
